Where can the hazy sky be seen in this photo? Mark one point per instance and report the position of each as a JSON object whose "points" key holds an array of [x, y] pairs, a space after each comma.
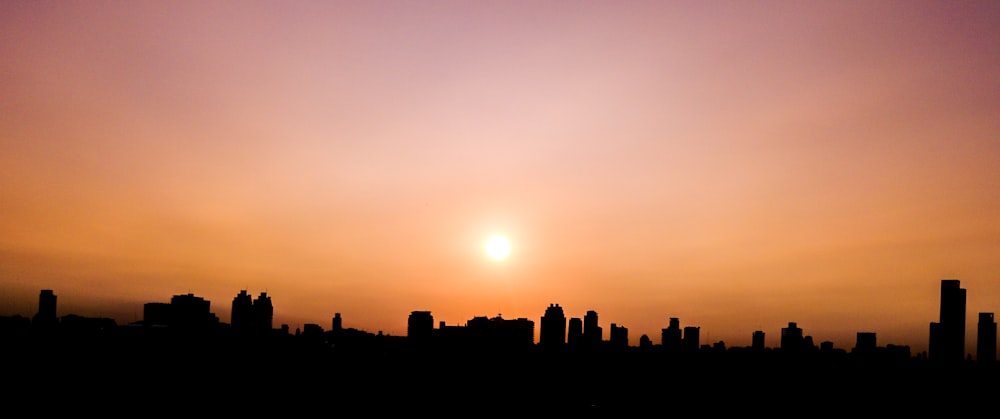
{"points": [[737, 165]]}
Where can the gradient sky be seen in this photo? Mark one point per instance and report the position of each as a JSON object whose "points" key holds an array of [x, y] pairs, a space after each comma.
{"points": [[737, 165]]}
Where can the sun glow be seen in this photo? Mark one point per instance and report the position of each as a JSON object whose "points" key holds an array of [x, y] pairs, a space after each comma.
{"points": [[498, 247]]}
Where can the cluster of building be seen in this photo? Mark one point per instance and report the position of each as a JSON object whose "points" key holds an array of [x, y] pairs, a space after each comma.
{"points": [[190, 314]]}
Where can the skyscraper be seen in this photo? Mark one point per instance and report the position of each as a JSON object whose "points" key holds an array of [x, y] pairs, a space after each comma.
{"points": [[986, 339], [865, 343], [670, 338], [592, 332], [252, 315], [46, 316], [337, 324], [692, 338], [574, 336], [241, 315], [619, 336], [947, 336], [553, 327], [757, 340], [791, 338], [263, 313]]}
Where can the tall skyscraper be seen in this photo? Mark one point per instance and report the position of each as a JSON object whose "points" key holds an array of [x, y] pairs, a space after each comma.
{"points": [[757, 340], [263, 313], [251, 315], [619, 336], [791, 338], [986, 339], [947, 336], [692, 338], [46, 316], [574, 336], [337, 323], [670, 338], [241, 315], [592, 333], [553, 327]]}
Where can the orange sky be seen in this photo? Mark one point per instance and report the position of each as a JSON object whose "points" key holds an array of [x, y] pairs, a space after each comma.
{"points": [[737, 165]]}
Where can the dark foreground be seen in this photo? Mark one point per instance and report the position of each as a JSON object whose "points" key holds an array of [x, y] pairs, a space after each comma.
{"points": [[142, 380]]}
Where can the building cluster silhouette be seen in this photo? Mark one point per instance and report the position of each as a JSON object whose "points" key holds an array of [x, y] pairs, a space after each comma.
{"points": [[188, 315], [573, 365]]}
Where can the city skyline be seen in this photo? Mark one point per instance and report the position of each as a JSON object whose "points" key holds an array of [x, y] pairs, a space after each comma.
{"points": [[948, 336], [736, 165], [176, 348]]}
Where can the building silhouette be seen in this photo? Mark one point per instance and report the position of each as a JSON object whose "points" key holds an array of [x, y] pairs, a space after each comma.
{"points": [[190, 312], [251, 315], [574, 335], [691, 340], [553, 327], [947, 335], [337, 323], [645, 342], [311, 333], [479, 334], [986, 339], [185, 313], [593, 334], [263, 313], [865, 343], [619, 336], [420, 326], [241, 315], [499, 333], [757, 340], [670, 338], [46, 316], [156, 314], [792, 339]]}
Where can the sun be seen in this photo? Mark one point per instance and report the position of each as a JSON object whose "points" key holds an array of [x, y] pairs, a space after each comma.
{"points": [[498, 247]]}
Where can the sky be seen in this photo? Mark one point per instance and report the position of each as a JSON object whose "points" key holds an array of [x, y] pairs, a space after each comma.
{"points": [[735, 165]]}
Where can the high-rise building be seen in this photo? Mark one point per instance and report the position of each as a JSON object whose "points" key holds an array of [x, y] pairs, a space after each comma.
{"points": [[574, 335], [757, 340], [670, 338], [692, 338], [252, 315], [263, 313], [619, 336], [241, 315], [791, 338], [419, 326], [592, 333], [986, 339], [337, 323], [947, 335], [865, 343], [553, 327], [46, 316]]}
